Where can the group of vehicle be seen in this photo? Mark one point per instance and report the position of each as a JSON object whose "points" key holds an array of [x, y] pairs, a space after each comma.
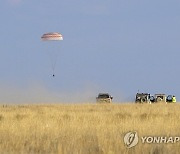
{"points": [[140, 98], [157, 98]]}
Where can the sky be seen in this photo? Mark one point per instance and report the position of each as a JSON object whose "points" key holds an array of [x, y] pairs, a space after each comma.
{"points": [[115, 46]]}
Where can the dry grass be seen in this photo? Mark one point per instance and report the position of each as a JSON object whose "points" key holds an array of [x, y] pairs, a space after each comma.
{"points": [[86, 128]]}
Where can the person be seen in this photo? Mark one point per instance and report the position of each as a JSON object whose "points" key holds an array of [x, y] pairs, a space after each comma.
{"points": [[173, 99]]}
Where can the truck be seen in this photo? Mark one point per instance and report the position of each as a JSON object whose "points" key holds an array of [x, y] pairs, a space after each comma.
{"points": [[143, 98], [160, 98], [104, 98]]}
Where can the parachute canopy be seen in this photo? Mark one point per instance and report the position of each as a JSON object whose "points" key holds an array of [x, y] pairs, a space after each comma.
{"points": [[52, 37]]}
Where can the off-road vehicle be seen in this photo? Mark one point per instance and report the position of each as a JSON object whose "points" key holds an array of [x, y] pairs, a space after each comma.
{"points": [[104, 98], [143, 98], [160, 98]]}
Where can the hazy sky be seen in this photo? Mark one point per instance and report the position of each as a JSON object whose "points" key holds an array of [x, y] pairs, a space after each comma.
{"points": [[115, 46]]}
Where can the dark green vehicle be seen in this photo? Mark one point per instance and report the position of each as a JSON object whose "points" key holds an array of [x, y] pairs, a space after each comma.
{"points": [[143, 98]]}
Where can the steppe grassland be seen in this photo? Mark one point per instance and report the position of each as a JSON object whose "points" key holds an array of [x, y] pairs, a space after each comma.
{"points": [[86, 128]]}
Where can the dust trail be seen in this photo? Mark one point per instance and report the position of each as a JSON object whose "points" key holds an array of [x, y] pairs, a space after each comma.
{"points": [[37, 93]]}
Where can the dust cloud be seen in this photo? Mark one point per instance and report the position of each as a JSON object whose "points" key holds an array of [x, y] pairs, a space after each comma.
{"points": [[40, 94]]}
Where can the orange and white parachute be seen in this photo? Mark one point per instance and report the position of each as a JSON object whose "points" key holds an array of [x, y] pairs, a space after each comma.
{"points": [[52, 37]]}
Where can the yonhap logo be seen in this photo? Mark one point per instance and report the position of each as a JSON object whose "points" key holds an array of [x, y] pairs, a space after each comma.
{"points": [[131, 139]]}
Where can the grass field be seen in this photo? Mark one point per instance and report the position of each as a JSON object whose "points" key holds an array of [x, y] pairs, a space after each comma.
{"points": [[86, 128]]}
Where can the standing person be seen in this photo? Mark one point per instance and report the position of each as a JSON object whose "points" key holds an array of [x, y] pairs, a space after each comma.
{"points": [[173, 99]]}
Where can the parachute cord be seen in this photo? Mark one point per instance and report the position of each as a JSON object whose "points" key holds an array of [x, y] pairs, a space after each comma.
{"points": [[54, 58], [53, 68], [53, 54]]}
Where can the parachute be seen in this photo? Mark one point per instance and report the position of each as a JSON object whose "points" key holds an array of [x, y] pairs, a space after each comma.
{"points": [[50, 37]]}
